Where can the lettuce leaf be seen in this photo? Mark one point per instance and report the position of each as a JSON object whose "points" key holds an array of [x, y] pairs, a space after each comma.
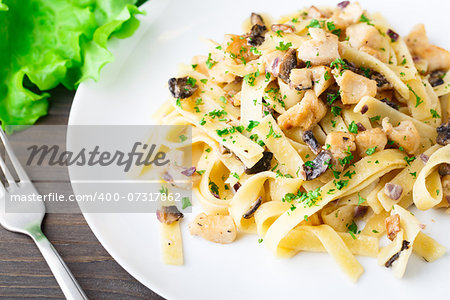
{"points": [[46, 43]]}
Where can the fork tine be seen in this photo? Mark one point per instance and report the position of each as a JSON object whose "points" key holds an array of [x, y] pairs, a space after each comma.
{"points": [[17, 166], [8, 174]]}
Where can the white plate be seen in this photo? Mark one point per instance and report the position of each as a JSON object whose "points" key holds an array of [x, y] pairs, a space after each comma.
{"points": [[134, 85]]}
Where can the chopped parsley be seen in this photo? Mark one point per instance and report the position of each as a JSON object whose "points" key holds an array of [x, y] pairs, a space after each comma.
{"points": [[339, 63], [252, 124], [217, 113], [201, 172], [418, 99], [336, 110], [210, 62], [214, 188], [349, 174], [371, 151], [332, 97], [409, 160], [182, 138], [308, 64], [283, 47], [272, 133], [353, 128], [364, 19], [353, 229], [331, 26], [375, 118], [434, 114], [361, 200], [314, 24], [250, 78], [235, 175], [326, 76], [340, 184], [185, 202], [164, 190], [260, 241]]}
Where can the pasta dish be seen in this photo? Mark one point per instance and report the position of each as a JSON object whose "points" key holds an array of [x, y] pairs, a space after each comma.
{"points": [[317, 132]]}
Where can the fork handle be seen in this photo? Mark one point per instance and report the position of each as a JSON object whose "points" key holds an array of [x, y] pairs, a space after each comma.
{"points": [[65, 279]]}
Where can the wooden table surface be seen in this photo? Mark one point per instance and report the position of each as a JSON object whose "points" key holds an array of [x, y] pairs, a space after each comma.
{"points": [[25, 275]]}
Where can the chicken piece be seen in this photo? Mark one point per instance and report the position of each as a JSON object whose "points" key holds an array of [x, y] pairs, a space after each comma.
{"points": [[305, 114], [215, 228], [200, 63], [322, 49], [301, 79], [362, 34], [375, 53], [392, 226], [239, 47], [354, 87], [341, 143], [404, 135], [322, 79], [315, 13], [369, 139], [347, 16], [418, 44]]}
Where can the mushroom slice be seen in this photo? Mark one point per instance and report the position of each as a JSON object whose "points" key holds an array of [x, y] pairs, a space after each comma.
{"points": [[283, 28], [183, 87], [382, 83], [390, 103], [405, 246], [444, 169], [256, 36], [249, 213], [443, 134], [287, 63], [309, 138], [318, 166], [437, 78], [256, 19], [262, 165], [168, 214]]}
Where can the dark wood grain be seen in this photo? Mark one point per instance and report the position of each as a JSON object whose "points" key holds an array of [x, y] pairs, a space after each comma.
{"points": [[25, 275]]}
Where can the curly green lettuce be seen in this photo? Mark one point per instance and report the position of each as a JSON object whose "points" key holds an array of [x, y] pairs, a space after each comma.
{"points": [[44, 43]]}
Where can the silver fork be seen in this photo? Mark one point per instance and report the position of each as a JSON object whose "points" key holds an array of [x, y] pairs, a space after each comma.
{"points": [[29, 222]]}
